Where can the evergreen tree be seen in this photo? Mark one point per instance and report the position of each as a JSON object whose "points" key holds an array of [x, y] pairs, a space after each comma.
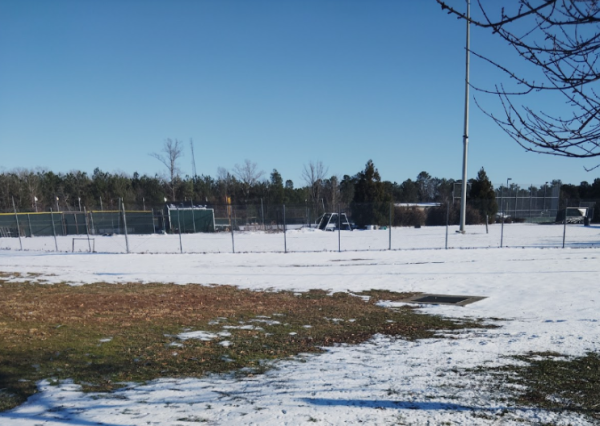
{"points": [[347, 189], [276, 189], [371, 203], [483, 196]]}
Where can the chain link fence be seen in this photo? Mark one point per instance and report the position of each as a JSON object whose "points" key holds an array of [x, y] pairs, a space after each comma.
{"points": [[256, 228]]}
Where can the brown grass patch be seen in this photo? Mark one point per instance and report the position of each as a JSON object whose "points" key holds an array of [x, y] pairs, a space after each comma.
{"points": [[57, 331]]}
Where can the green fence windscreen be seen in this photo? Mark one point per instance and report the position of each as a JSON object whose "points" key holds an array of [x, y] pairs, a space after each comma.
{"points": [[76, 223], [191, 220], [31, 224], [111, 222]]}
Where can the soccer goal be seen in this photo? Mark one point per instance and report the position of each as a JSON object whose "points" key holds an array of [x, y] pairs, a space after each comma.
{"points": [[90, 243]]}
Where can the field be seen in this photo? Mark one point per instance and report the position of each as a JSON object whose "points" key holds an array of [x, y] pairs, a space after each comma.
{"points": [[307, 337], [305, 240]]}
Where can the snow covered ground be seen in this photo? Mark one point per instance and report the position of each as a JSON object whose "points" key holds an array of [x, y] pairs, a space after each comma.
{"points": [[548, 300], [302, 240]]}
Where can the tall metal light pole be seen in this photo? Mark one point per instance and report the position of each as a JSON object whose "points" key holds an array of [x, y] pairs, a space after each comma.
{"points": [[463, 199]]}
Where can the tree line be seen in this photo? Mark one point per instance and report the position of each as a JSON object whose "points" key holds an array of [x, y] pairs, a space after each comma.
{"points": [[244, 185], [46, 189]]}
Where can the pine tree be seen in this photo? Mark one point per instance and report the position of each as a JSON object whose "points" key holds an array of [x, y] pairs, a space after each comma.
{"points": [[371, 203], [276, 190], [483, 196]]}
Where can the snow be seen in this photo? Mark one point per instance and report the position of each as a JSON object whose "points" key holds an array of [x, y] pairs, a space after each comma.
{"points": [[544, 299], [200, 335], [306, 239]]}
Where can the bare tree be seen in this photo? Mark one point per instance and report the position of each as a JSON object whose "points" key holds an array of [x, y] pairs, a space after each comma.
{"points": [[313, 175], [561, 39], [248, 174], [31, 181], [331, 191], [170, 153]]}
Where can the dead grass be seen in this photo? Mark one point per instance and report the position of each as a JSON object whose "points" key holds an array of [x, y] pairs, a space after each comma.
{"points": [[103, 335]]}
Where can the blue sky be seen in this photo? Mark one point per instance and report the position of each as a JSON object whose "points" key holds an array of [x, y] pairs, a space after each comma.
{"points": [[86, 84]]}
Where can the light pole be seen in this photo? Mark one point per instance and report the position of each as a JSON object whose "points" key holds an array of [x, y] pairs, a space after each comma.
{"points": [[57, 208], [79, 200], [35, 202], [463, 199]]}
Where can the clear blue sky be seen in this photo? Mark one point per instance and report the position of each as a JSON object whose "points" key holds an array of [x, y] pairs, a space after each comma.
{"points": [[86, 84]]}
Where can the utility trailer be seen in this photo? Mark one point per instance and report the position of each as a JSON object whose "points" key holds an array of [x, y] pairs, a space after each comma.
{"points": [[330, 222]]}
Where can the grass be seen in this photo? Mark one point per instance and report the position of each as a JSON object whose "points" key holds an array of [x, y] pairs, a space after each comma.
{"points": [[551, 381], [104, 335], [558, 383]]}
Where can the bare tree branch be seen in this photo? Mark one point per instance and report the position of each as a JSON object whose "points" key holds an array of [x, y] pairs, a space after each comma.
{"points": [[170, 153], [314, 175], [248, 174], [561, 39]]}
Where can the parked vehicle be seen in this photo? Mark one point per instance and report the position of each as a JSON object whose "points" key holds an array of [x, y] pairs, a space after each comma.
{"points": [[574, 215]]}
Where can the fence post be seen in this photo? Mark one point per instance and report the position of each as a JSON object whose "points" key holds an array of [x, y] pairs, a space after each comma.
{"points": [[530, 186], [76, 225], [30, 230], [339, 229], [447, 220], [85, 218], [502, 228], [179, 228], [565, 222], [125, 227], [193, 219], [486, 223], [231, 222], [262, 214], [92, 219], [53, 229], [284, 231], [17, 219], [87, 229], [390, 227], [153, 226], [119, 216]]}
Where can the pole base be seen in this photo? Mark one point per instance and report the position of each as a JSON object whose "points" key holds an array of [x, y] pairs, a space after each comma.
{"points": [[458, 231]]}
